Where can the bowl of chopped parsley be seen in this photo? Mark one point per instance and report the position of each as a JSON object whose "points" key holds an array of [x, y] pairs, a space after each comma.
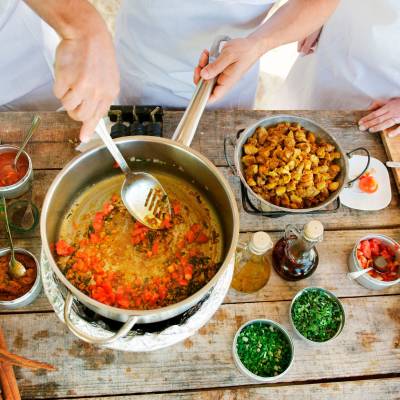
{"points": [[263, 350], [317, 315]]}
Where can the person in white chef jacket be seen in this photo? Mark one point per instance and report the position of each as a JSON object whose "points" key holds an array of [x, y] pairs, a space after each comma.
{"points": [[86, 73], [352, 62], [159, 43]]}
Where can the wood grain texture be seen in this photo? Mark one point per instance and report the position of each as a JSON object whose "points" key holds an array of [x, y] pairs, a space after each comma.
{"points": [[378, 389], [368, 345], [392, 148], [330, 274]]}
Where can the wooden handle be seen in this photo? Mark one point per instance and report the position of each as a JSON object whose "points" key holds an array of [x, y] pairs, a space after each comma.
{"points": [[14, 359], [7, 377]]}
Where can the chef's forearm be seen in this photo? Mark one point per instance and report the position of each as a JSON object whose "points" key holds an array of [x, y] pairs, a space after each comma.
{"points": [[69, 18], [293, 21]]}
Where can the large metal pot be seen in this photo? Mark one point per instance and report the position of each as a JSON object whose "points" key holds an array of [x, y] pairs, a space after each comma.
{"points": [[321, 133], [174, 155]]}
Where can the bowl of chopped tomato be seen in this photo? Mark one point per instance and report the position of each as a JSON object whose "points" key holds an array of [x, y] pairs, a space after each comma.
{"points": [[363, 254], [19, 292], [14, 182]]}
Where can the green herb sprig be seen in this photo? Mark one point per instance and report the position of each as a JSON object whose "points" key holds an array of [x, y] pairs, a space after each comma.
{"points": [[316, 315], [263, 349]]}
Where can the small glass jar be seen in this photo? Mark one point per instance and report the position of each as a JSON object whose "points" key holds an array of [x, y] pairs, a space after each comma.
{"points": [[252, 267]]}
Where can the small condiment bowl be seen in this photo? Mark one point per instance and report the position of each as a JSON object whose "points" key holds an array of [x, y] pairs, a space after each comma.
{"points": [[241, 366], [332, 296], [366, 280], [33, 292], [19, 206], [23, 185]]}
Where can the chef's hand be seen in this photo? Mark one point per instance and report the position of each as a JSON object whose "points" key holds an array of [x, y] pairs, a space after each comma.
{"points": [[86, 79], [308, 45], [236, 58], [86, 73], [385, 117]]}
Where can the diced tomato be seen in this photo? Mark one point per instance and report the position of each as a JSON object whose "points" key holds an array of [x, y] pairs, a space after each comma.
{"points": [[374, 245], [107, 208], [190, 236], [202, 238], [63, 248], [365, 248], [149, 254], [195, 228], [183, 282], [181, 244], [368, 184], [166, 224], [155, 247], [176, 207], [95, 238], [115, 165]]}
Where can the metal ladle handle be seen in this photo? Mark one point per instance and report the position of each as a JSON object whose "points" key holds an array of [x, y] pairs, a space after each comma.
{"points": [[186, 129], [102, 131], [8, 227], [34, 125]]}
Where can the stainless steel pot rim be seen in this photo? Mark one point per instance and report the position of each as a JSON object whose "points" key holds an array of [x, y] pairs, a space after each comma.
{"points": [[6, 250], [331, 295], [242, 367], [274, 120], [25, 177], [139, 313], [368, 277]]}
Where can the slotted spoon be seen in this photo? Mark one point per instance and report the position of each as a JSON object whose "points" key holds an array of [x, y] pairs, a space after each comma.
{"points": [[141, 192]]}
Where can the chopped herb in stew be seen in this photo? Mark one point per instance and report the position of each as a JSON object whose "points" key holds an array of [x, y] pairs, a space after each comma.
{"points": [[263, 349], [316, 315]]}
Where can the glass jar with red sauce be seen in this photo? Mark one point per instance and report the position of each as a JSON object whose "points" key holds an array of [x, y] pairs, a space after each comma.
{"points": [[14, 182]]}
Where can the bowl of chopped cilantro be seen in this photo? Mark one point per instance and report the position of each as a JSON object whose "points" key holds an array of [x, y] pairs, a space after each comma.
{"points": [[316, 314], [263, 350]]}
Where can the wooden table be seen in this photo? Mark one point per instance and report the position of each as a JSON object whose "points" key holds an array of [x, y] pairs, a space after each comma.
{"points": [[363, 362]]}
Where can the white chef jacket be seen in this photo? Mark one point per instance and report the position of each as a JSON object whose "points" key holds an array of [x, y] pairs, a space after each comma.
{"points": [[357, 60], [159, 42], [28, 47]]}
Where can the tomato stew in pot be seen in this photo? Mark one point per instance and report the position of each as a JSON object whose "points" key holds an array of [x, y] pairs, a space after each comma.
{"points": [[111, 257]]}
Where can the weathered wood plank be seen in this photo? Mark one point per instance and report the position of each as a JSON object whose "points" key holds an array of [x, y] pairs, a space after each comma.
{"points": [[330, 274], [58, 134], [368, 345], [377, 389], [344, 218]]}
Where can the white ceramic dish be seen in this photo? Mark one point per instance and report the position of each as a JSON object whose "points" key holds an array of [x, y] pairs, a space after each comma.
{"points": [[353, 197], [239, 363], [366, 280]]}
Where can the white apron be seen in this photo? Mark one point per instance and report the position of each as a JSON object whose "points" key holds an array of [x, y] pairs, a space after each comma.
{"points": [[159, 42], [28, 47], [357, 60]]}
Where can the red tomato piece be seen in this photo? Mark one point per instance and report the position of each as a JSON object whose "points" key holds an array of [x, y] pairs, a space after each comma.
{"points": [[368, 184], [63, 248], [202, 238]]}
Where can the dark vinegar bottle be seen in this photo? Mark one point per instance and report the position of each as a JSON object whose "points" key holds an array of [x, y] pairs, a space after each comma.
{"points": [[295, 257]]}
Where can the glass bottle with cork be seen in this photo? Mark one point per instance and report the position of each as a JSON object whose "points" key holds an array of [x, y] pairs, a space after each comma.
{"points": [[294, 256], [252, 268]]}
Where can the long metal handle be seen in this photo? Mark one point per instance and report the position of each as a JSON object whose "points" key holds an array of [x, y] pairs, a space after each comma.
{"points": [[393, 164], [186, 129], [102, 131], [357, 274], [8, 226], [123, 331], [34, 125]]}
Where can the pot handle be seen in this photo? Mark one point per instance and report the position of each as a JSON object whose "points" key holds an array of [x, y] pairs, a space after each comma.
{"points": [[350, 154], [228, 140], [124, 330], [186, 129]]}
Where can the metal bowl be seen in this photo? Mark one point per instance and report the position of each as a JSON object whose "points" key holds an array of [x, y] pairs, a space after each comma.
{"points": [[239, 363], [33, 292], [320, 133], [23, 185], [332, 296], [366, 280]]}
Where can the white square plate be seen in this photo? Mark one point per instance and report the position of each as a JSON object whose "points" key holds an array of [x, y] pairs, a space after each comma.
{"points": [[353, 197]]}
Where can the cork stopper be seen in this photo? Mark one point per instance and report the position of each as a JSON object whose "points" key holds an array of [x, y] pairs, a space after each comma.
{"points": [[313, 230], [260, 243]]}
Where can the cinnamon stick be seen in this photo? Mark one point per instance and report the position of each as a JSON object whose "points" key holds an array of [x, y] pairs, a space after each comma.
{"points": [[14, 359], [7, 377]]}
